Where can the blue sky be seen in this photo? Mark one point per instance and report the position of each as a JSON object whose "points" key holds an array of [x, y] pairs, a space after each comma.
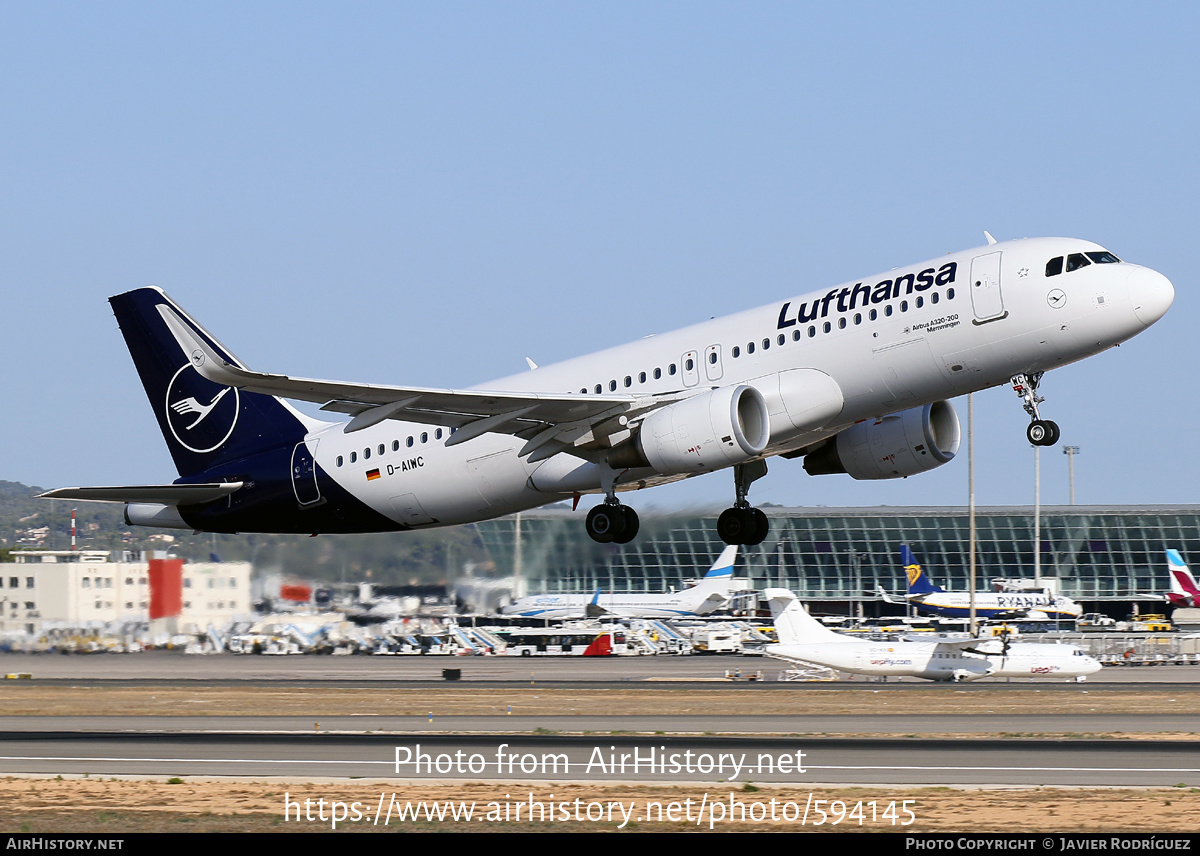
{"points": [[426, 193]]}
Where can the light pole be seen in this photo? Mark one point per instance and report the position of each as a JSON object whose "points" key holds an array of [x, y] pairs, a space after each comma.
{"points": [[1071, 452]]}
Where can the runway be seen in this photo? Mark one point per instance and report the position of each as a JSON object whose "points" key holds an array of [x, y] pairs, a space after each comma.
{"points": [[606, 758], [705, 725]]}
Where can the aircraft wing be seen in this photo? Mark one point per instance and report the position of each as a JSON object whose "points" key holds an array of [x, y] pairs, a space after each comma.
{"points": [[549, 423], [167, 494]]}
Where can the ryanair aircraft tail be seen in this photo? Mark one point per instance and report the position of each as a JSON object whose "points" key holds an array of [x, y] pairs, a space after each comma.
{"points": [[918, 582]]}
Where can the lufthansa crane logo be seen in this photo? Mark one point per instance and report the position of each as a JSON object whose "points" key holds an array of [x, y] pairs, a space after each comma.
{"points": [[202, 414]]}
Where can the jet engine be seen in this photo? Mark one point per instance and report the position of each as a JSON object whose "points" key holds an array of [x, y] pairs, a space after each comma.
{"points": [[728, 425], [895, 446]]}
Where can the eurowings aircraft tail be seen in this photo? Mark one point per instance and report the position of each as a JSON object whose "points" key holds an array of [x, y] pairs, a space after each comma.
{"points": [[793, 624], [918, 582], [207, 426], [1184, 591]]}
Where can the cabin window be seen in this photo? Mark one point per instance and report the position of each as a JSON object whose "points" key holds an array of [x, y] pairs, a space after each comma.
{"points": [[437, 435], [920, 302], [749, 347], [826, 327], [690, 364], [424, 436], [887, 310], [671, 369], [339, 460], [933, 298], [612, 386], [812, 331], [857, 317], [381, 449], [353, 457], [780, 339], [737, 352], [795, 335], [366, 453], [657, 374], [628, 381], [712, 358], [641, 377], [395, 445], [408, 442], [599, 389], [903, 305], [841, 323], [873, 314], [949, 293]]}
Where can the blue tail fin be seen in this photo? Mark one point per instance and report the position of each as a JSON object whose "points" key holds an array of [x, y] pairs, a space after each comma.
{"points": [[918, 582], [206, 425]]}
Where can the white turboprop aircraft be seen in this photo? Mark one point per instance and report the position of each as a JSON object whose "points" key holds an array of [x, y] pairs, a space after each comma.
{"points": [[854, 379], [803, 639], [703, 597]]}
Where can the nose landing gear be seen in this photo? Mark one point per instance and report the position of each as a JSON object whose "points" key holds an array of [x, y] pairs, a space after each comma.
{"points": [[1041, 432]]}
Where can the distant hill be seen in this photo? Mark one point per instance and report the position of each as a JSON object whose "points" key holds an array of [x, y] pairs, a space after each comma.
{"points": [[397, 558]]}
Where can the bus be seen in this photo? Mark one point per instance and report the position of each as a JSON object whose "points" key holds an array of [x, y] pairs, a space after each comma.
{"points": [[550, 642]]}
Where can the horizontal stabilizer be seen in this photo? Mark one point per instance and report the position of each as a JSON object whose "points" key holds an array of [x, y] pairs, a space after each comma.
{"points": [[167, 494]]}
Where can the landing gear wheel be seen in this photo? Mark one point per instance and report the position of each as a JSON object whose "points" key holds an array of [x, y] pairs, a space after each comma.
{"points": [[632, 524], [1042, 432], [762, 526], [606, 523], [743, 525]]}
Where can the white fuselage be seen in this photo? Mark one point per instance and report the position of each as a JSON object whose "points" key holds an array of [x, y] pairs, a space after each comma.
{"points": [[893, 341], [698, 600], [940, 662], [987, 604]]}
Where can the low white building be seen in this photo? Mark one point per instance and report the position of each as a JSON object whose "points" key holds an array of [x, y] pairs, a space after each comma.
{"points": [[86, 588]]}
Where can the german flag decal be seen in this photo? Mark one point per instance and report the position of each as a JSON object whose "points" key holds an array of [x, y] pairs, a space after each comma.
{"points": [[372, 474]]}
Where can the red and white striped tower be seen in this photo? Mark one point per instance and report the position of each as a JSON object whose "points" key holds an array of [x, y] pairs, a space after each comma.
{"points": [[72, 529]]}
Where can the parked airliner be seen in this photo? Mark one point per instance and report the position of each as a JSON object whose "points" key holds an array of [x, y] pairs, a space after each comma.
{"points": [[804, 640], [853, 379], [708, 594], [934, 600], [1184, 591]]}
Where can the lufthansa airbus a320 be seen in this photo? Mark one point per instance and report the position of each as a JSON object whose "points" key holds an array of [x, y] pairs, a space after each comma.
{"points": [[853, 379]]}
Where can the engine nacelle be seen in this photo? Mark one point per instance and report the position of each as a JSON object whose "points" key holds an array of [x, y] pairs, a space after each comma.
{"points": [[897, 446], [709, 431]]}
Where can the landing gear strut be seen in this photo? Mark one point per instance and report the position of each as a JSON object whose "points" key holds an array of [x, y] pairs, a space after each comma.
{"points": [[1041, 432], [744, 524]]}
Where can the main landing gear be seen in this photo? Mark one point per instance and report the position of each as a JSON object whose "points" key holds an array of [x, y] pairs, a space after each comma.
{"points": [[1041, 432], [612, 522], [744, 524]]}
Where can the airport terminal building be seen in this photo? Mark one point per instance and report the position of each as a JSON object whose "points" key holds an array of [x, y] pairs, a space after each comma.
{"points": [[1102, 556]]}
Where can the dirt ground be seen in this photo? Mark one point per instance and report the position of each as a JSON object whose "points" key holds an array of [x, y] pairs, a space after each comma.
{"points": [[19, 698], [116, 806]]}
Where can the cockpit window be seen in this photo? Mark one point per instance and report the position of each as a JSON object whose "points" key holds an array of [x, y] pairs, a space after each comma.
{"points": [[1054, 266], [1104, 257], [1075, 261]]}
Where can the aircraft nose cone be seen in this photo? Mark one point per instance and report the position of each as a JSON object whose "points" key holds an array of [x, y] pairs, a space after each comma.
{"points": [[1152, 294]]}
